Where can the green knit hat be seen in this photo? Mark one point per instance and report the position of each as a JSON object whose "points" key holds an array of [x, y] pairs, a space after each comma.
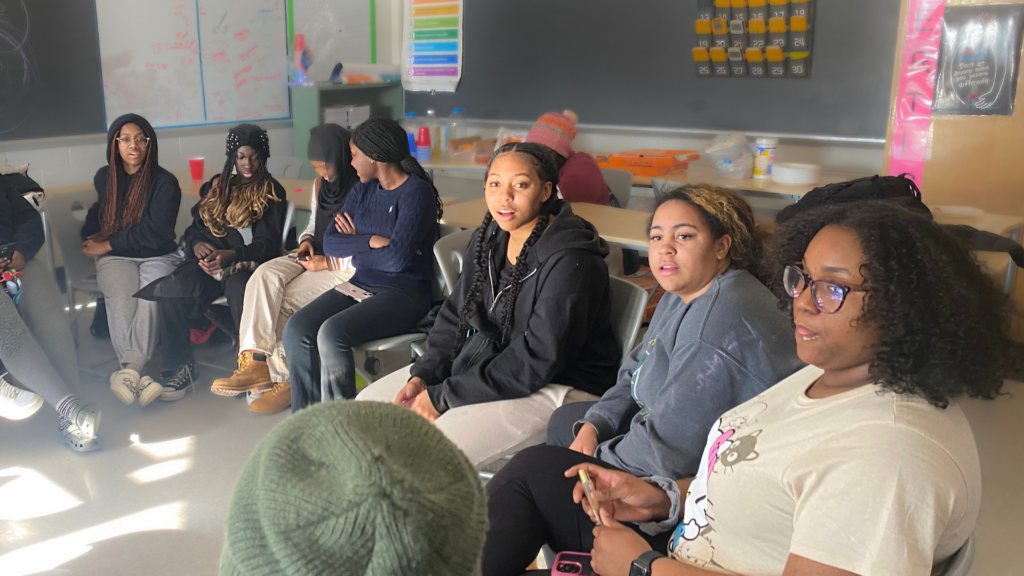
{"points": [[356, 488]]}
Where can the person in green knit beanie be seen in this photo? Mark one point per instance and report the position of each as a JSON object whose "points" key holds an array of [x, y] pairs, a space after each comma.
{"points": [[356, 488]]}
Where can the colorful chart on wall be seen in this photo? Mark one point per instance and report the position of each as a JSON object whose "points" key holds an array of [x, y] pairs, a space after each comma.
{"points": [[184, 63], [432, 47], [979, 60]]}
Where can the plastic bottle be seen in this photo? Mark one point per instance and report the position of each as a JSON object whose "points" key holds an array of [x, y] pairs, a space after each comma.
{"points": [[410, 122], [456, 123], [423, 148], [435, 134], [764, 157], [303, 59]]}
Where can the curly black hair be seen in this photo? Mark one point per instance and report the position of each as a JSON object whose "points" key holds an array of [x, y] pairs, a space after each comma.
{"points": [[944, 326]]}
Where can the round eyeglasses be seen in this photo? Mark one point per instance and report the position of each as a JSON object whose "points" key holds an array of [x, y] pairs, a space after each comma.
{"points": [[827, 296]]}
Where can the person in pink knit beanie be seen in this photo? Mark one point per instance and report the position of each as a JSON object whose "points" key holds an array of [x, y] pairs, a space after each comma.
{"points": [[579, 177]]}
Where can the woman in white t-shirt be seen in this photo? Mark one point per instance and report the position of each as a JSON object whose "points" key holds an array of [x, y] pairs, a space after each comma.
{"points": [[859, 463]]}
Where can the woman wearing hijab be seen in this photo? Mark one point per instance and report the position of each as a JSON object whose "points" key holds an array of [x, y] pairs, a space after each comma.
{"points": [[130, 232], [280, 287], [236, 226], [388, 226]]}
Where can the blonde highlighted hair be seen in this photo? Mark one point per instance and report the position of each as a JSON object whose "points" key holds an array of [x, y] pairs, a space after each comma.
{"points": [[236, 206], [725, 212]]}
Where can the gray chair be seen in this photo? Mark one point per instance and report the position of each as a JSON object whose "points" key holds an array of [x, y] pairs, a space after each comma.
{"points": [[66, 215], [629, 301], [959, 564], [620, 182], [449, 251], [284, 166], [371, 366]]}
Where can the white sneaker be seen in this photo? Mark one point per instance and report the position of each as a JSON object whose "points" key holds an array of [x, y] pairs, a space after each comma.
{"points": [[17, 404], [123, 384]]}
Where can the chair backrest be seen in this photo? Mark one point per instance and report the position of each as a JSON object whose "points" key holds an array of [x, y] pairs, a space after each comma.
{"points": [[65, 213], [448, 251], [184, 215], [284, 166], [288, 215], [628, 304], [620, 182], [661, 186], [959, 564]]}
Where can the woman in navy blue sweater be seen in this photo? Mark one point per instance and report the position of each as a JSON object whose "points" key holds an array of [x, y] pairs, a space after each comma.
{"points": [[388, 225]]}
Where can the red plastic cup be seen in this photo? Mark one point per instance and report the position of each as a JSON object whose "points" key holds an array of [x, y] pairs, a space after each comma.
{"points": [[196, 166], [423, 139]]}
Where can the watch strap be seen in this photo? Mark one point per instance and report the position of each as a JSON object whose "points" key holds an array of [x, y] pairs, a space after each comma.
{"points": [[642, 565]]}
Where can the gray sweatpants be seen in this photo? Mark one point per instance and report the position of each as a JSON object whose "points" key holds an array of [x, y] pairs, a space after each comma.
{"points": [[35, 341], [134, 324]]}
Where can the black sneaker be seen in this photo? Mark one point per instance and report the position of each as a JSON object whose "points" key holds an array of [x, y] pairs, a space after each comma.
{"points": [[177, 382]]}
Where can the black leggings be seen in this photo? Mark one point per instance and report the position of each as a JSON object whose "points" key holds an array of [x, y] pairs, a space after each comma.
{"points": [[530, 504]]}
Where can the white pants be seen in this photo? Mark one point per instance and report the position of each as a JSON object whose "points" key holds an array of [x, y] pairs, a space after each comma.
{"points": [[489, 431], [274, 292]]}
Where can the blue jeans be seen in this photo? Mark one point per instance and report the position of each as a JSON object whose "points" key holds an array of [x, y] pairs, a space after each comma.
{"points": [[319, 338]]}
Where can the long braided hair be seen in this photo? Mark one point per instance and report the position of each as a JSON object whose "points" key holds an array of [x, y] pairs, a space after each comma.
{"points": [[540, 157], [222, 207], [135, 204], [384, 140]]}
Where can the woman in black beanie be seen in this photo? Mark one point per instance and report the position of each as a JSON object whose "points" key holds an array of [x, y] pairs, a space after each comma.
{"points": [[388, 226]]}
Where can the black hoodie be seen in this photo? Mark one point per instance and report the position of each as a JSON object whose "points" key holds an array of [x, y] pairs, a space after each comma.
{"points": [[561, 334], [154, 234]]}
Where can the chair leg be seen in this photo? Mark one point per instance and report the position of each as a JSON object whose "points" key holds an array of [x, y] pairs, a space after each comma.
{"points": [[73, 320], [223, 327]]}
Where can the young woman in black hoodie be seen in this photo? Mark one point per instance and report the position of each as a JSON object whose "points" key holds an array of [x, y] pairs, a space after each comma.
{"points": [[527, 327], [237, 225], [130, 232]]}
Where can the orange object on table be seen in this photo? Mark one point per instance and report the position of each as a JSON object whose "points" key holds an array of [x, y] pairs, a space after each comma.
{"points": [[649, 162]]}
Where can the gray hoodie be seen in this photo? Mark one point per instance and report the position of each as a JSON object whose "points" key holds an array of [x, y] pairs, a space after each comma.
{"points": [[697, 360]]}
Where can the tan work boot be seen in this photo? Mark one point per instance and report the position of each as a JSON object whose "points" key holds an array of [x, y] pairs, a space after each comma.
{"points": [[279, 398], [252, 375]]}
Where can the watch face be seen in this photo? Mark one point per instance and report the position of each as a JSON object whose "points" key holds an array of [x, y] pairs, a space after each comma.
{"points": [[635, 570]]}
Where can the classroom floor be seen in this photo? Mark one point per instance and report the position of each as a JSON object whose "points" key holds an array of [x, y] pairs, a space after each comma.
{"points": [[155, 499]]}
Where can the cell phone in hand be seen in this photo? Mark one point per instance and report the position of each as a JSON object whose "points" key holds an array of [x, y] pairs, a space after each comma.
{"points": [[7, 251], [572, 564], [588, 491], [295, 256]]}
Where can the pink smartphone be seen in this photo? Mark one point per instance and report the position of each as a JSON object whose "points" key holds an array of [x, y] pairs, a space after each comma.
{"points": [[572, 564]]}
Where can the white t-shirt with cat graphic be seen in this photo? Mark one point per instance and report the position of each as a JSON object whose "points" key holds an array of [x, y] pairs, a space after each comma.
{"points": [[867, 481]]}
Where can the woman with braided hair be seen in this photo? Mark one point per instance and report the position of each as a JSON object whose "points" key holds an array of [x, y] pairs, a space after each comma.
{"points": [[387, 226], [130, 232], [527, 327], [236, 226]]}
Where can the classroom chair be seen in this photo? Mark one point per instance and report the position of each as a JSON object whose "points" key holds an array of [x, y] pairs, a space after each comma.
{"points": [[371, 366], [284, 166], [620, 182], [449, 252], [66, 215], [628, 304], [959, 564]]}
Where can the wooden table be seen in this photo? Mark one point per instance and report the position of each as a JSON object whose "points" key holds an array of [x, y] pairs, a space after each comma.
{"points": [[705, 173], [620, 227], [481, 168]]}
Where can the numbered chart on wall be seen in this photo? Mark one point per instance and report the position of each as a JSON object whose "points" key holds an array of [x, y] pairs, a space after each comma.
{"points": [[756, 38]]}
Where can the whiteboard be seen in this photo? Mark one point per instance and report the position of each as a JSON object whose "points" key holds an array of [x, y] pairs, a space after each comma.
{"points": [[193, 62], [335, 31]]}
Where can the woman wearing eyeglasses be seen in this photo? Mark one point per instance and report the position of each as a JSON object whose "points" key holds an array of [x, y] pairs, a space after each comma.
{"points": [[861, 463], [130, 232]]}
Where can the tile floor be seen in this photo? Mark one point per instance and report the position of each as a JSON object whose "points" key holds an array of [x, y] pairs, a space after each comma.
{"points": [[155, 499]]}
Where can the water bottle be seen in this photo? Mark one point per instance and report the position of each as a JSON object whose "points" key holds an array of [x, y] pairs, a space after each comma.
{"points": [[456, 123], [410, 123], [435, 134]]}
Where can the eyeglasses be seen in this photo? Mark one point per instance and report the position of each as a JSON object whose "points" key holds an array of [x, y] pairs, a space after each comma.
{"points": [[139, 141], [827, 296]]}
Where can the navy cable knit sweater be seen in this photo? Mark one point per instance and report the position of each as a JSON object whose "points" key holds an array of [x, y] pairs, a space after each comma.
{"points": [[408, 216]]}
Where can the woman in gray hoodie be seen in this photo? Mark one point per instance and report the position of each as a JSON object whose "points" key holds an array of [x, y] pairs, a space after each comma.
{"points": [[716, 340]]}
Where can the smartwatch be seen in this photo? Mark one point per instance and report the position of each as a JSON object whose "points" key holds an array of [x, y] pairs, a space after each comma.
{"points": [[642, 565]]}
